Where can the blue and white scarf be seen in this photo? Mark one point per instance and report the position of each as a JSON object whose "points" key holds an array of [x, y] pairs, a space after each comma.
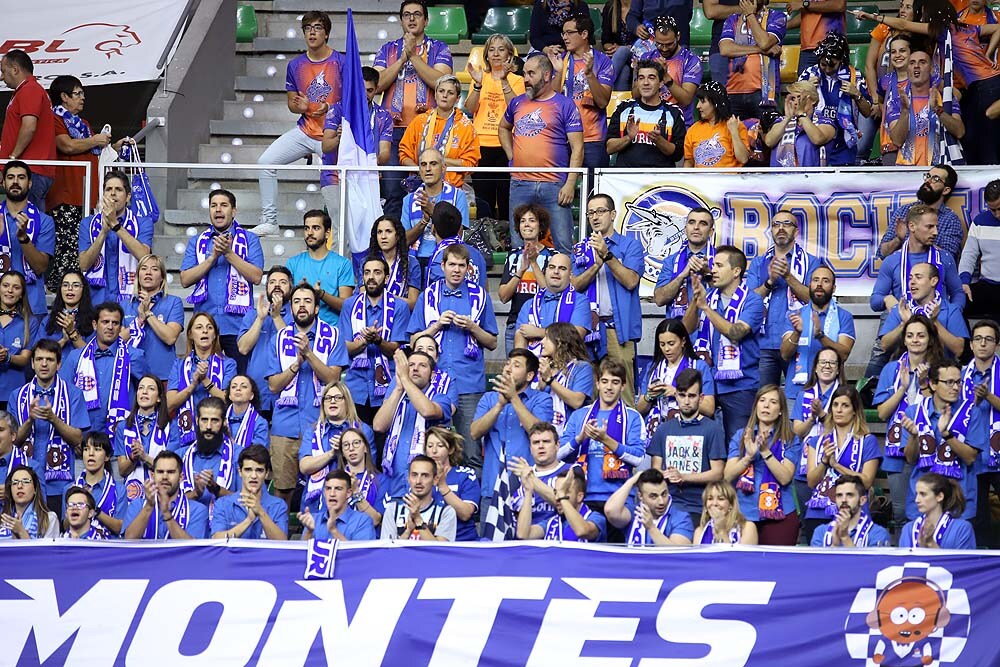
{"points": [[861, 532], [371, 357], [188, 412], [583, 258], [637, 533], [730, 362], [322, 441], [243, 437], [438, 385], [939, 529], [950, 149], [127, 264], [58, 453], [681, 302], [477, 305], [107, 503], [563, 313], [806, 398], [449, 193], [181, 511], [894, 429], [86, 380], [848, 454], [708, 535], [906, 263], [558, 529], [75, 126], [32, 229], [238, 292], [224, 472], [324, 342], [938, 455], [798, 263], [158, 438], [664, 407], [968, 394], [831, 329]]}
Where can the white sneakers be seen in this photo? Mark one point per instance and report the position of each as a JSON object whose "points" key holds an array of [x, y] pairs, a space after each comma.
{"points": [[266, 229]]}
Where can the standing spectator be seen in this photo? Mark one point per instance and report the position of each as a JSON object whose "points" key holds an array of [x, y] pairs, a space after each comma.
{"points": [[718, 11], [223, 263], [617, 40], [719, 139], [800, 137], [253, 513], [113, 240], [852, 526], [542, 129], [418, 206], [646, 11], [444, 128], [889, 88], [938, 183], [547, 20], [573, 521], [446, 224], [880, 68], [493, 88], [558, 301], [259, 326], [979, 267], [751, 42], [163, 512], [924, 299], [405, 278], [681, 69], [980, 384], [455, 485], [154, 319], [941, 504], [524, 270], [647, 132], [816, 19], [312, 85], [408, 69], [417, 515], [607, 267], [672, 355], [70, 321], [722, 522], [11, 455], [28, 126], [141, 436], [655, 519], [673, 285], [34, 231], [564, 371], [24, 515], [330, 273], [916, 118]]}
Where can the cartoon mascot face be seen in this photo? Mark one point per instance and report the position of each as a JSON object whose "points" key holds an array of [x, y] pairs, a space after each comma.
{"points": [[908, 611]]}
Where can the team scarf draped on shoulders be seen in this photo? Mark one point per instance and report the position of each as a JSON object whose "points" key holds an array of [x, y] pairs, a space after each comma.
{"points": [[769, 495], [107, 503], [612, 467], [225, 471], [664, 407], [798, 264], [637, 533], [940, 528], [861, 532], [831, 329], [127, 264], [477, 305], [906, 262], [968, 394], [808, 395], [449, 193], [243, 437], [848, 454], [938, 455], [708, 535], [559, 530], [75, 126], [324, 340], [32, 229], [180, 509], [86, 380], [681, 302], [158, 438], [58, 453], [894, 428], [323, 437], [371, 357], [438, 385], [187, 413], [564, 311], [730, 362], [743, 36], [238, 292]]}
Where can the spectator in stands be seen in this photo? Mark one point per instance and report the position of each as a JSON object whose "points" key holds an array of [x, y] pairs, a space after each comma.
{"points": [[372, 328], [672, 355], [564, 371], [691, 440], [722, 522], [980, 258], [761, 463], [367, 483], [163, 512], [900, 385], [978, 14], [542, 129], [223, 264], [18, 332], [890, 86], [246, 425], [608, 266], [617, 39], [525, 267], [408, 69], [938, 184], [97, 479], [979, 384], [203, 371], [11, 455], [445, 129], [584, 74], [822, 323], [455, 485], [943, 435], [547, 20], [643, 12], [504, 415], [210, 462], [719, 139], [418, 206], [33, 229], [428, 345], [28, 126], [573, 521], [681, 69], [307, 355], [727, 321], [941, 504], [312, 85], [718, 11], [883, 60], [851, 526], [782, 277], [260, 326], [543, 474], [417, 515], [113, 240], [647, 132], [816, 22], [446, 224], [924, 299], [846, 447], [380, 125], [24, 515], [70, 320], [916, 118], [51, 417], [340, 521], [673, 286], [405, 278], [654, 520], [104, 369], [80, 511], [751, 42], [329, 272], [493, 88], [253, 513], [811, 408], [800, 137], [153, 318], [558, 301], [141, 436]]}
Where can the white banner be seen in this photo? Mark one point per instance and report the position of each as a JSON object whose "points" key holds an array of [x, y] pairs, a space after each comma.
{"points": [[97, 41], [845, 211]]}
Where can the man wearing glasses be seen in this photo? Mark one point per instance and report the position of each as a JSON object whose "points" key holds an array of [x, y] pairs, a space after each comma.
{"points": [[313, 85], [981, 382], [939, 182]]}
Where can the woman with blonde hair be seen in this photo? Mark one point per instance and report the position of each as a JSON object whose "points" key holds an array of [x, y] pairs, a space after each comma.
{"points": [[154, 319], [455, 484], [798, 138], [722, 522]]}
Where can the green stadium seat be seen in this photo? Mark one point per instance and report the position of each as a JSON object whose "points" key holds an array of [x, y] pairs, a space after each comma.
{"points": [[793, 37], [859, 31], [447, 24], [858, 54], [246, 24], [701, 28], [515, 22], [595, 16]]}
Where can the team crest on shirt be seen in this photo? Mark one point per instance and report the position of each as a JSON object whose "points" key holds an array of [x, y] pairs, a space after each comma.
{"points": [[530, 125], [134, 489], [914, 615], [319, 90], [708, 153]]}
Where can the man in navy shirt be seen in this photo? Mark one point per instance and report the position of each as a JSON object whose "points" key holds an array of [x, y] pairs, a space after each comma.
{"points": [[253, 513], [339, 521]]}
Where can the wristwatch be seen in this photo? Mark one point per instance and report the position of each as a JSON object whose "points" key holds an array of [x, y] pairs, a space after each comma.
{"points": [[947, 435], [805, 4], [420, 527], [116, 227]]}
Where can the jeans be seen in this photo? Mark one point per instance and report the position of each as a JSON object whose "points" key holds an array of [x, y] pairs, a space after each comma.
{"points": [[879, 357], [392, 181], [331, 197], [462, 421], [595, 155], [771, 367], [718, 66], [899, 486], [622, 62], [806, 60], [745, 105], [36, 193], [286, 149], [868, 129], [736, 408], [981, 143], [508, 336], [546, 195]]}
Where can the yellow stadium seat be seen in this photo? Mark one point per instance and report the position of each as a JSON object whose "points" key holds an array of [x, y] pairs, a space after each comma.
{"points": [[790, 63], [617, 97]]}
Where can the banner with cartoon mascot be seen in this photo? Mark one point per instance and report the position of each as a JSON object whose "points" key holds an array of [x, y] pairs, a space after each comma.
{"points": [[843, 213]]}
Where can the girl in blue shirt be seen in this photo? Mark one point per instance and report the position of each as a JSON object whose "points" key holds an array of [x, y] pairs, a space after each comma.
{"points": [[368, 488], [246, 425], [17, 333], [71, 319], [940, 502], [154, 317], [455, 485], [405, 279], [24, 515]]}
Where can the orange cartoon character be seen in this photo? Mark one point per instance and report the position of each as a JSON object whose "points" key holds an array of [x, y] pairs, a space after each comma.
{"points": [[907, 612]]}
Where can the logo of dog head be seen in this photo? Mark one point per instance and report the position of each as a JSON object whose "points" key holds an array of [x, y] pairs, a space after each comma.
{"points": [[109, 38]]}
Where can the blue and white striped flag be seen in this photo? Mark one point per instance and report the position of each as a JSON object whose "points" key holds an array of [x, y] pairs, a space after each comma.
{"points": [[500, 522], [949, 147]]}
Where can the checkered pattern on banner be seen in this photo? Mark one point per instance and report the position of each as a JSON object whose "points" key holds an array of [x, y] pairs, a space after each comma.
{"points": [[500, 522]]}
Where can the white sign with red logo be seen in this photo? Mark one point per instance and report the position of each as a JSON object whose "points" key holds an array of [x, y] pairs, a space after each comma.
{"points": [[99, 42]]}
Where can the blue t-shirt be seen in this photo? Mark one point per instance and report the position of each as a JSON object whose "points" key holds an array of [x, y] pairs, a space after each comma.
{"points": [[257, 366], [753, 316], [580, 378], [211, 463], [396, 478], [228, 513], [631, 451], [685, 439], [890, 464], [462, 481], [749, 501], [200, 393], [948, 315], [110, 290], [260, 434], [508, 432], [104, 368], [678, 523], [547, 313], [12, 337], [877, 535], [167, 309], [332, 272], [557, 528], [44, 241], [352, 524]]}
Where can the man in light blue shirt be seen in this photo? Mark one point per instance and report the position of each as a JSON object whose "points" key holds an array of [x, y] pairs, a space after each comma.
{"points": [[164, 512], [419, 204], [252, 514], [337, 521], [331, 274], [852, 527], [261, 324], [28, 237]]}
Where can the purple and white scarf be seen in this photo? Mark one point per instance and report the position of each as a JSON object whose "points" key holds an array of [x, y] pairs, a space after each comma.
{"points": [[556, 528], [805, 402], [107, 503], [158, 438], [637, 533], [681, 302], [58, 453], [238, 292], [939, 529], [798, 263], [398, 284], [665, 407], [848, 454], [564, 312], [408, 74], [938, 455], [477, 305], [367, 488], [243, 437], [32, 229], [708, 535], [559, 411], [583, 258], [86, 380], [186, 415], [416, 445], [224, 472], [861, 532], [612, 467], [926, 309], [371, 357], [127, 264], [322, 441], [968, 394], [894, 429], [325, 339], [729, 362], [181, 511]]}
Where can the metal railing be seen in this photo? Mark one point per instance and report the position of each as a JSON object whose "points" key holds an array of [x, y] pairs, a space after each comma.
{"points": [[87, 175]]}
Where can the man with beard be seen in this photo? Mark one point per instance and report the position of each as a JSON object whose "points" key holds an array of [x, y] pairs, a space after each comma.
{"points": [[673, 285], [253, 513], [542, 128], [781, 277], [80, 510], [558, 301], [925, 300], [417, 516], [304, 357], [210, 462], [223, 263], [682, 69], [164, 513], [939, 182], [654, 520], [259, 327], [373, 326], [819, 325], [34, 230], [852, 527], [647, 132], [330, 273]]}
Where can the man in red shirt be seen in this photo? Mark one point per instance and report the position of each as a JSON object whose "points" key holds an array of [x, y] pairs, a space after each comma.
{"points": [[28, 126]]}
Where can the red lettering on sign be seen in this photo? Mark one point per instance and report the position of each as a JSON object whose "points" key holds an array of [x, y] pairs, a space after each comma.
{"points": [[54, 47], [26, 45]]}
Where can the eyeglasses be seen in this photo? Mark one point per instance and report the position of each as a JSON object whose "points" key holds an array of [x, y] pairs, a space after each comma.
{"points": [[313, 27], [597, 212], [77, 506], [785, 223], [933, 178], [333, 398], [984, 339], [20, 482], [827, 364], [570, 32], [949, 383], [77, 93], [411, 15], [353, 444]]}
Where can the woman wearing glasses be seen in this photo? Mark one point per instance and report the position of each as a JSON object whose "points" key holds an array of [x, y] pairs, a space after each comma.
{"points": [[24, 515]]}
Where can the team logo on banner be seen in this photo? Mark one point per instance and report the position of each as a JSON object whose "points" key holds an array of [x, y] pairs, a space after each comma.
{"points": [[657, 218], [108, 38], [913, 616]]}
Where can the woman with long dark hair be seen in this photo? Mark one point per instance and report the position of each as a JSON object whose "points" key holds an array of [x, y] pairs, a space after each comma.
{"points": [[70, 320], [941, 503], [24, 515], [142, 435], [388, 241], [18, 330], [565, 371], [246, 425]]}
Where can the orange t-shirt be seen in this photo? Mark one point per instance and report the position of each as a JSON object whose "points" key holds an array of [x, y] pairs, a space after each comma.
{"points": [[464, 144], [711, 146], [492, 104], [67, 188]]}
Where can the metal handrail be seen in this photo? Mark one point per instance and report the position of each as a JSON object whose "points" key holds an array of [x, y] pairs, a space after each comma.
{"points": [[87, 175], [189, 9]]}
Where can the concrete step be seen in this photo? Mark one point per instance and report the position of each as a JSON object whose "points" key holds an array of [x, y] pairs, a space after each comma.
{"points": [[284, 25], [241, 187], [245, 154], [223, 131], [248, 200], [181, 218], [214, 174], [291, 47], [266, 97], [268, 110], [390, 7]]}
